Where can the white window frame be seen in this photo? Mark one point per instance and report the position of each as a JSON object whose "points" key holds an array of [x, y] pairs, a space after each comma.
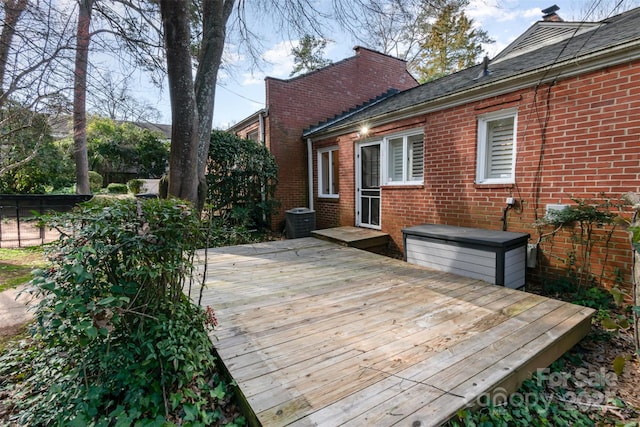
{"points": [[386, 179], [482, 162], [321, 193]]}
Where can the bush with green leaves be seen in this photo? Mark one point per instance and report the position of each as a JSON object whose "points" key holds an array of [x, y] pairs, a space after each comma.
{"points": [[591, 224], [95, 181], [135, 186], [117, 188], [25, 135], [115, 149], [241, 178], [532, 405], [118, 342]]}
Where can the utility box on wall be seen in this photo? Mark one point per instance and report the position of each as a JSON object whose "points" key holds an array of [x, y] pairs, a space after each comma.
{"points": [[497, 257], [300, 222]]}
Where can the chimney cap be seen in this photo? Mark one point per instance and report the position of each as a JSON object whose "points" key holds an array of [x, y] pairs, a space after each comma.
{"points": [[551, 10]]}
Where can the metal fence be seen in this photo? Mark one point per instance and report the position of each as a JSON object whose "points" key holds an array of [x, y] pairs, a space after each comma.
{"points": [[19, 214]]}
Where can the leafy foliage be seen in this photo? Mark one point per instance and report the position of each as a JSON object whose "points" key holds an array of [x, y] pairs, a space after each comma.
{"points": [[451, 43], [634, 233], [532, 407], [135, 186], [26, 134], [95, 181], [118, 342], [241, 178], [117, 148], [591, 224], [117, 188], [308, 55]]}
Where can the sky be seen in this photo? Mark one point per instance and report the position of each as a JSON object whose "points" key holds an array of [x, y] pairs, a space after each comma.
{"points": [[241, 91]]}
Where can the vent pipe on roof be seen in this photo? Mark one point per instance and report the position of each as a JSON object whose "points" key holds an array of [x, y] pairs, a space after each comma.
{"points": [[485, 65], [550, 14]]}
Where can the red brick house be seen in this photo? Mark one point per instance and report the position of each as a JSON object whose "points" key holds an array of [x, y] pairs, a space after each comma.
{"points": [[555, 115], [295, 104]]}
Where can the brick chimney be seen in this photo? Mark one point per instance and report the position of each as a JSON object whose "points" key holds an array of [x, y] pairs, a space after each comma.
{"points": [[550, 14]]}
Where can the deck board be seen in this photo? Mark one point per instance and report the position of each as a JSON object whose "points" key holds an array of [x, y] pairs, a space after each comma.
{"points": [[315, 333]]}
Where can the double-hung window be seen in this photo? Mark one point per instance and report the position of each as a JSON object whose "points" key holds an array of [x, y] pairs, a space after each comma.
{"points": [[496, 163], [405, 159], [328, 172]]}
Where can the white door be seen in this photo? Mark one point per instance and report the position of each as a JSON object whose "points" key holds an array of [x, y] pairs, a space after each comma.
{"points": [[368, 185]]}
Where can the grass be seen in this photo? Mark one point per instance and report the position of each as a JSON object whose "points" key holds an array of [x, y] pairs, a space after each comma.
{"points": [[16, 265]]}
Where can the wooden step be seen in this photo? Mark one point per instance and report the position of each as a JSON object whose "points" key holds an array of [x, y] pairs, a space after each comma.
{"points": [[354, 237]]}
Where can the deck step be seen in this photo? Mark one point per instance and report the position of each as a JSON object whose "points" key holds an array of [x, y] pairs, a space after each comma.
{"points": [[354, 237]]}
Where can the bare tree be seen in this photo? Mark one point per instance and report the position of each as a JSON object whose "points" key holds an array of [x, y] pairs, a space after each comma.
{"points": [[34, 48], [192, 101], [83, 38], [183, 160], [124, 20], [12, 9], [111, 97]]}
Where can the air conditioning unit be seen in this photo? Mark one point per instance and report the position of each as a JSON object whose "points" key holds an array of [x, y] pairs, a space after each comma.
{"points": [[300, 222]]}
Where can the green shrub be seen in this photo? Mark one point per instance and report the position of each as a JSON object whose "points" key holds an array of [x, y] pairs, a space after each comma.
{"points": [[95, 181], [135, 186], [531, 405], [118, 342], [241, 180], [117, 188]]}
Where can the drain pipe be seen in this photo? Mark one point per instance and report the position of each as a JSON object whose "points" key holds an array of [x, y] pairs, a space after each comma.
{"points": [[263, 140], [261, 133], [510, 204], [310, 171]]}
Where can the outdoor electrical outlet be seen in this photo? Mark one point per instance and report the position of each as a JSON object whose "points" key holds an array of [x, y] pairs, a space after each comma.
{"points": [[511, 201]]}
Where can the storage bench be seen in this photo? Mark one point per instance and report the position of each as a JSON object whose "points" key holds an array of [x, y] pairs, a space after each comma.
{"points": [[497, 257]]}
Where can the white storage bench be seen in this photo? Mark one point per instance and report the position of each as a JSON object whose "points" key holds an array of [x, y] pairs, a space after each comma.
{"points": [[497, 257]]}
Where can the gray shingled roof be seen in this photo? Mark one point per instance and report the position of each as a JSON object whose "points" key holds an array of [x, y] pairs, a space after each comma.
{"points": [[614, 32]]}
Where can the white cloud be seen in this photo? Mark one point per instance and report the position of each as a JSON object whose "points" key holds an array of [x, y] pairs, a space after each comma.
{"points": [[504, 20], [277, 62], [279, 59], [485, 11]]}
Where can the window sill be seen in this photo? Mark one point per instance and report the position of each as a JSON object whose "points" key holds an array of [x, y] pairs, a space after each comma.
{"points": [[402, 186], [328, 198], [490, 185]]}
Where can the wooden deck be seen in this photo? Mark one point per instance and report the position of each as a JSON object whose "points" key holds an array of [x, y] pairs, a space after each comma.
{"points": [[316, 333]]}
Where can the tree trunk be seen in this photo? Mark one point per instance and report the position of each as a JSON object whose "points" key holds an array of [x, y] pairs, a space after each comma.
{"points": [[12, 11], [183, 161], [80, 97], [214, 24]]}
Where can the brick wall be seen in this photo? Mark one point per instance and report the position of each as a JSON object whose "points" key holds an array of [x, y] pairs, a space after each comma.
{"points": [[591, 145], [299, 103]]}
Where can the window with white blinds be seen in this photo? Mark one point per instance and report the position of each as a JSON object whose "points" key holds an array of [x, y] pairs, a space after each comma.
{"points": [[405, 159], [328, 172], [496, 148]]}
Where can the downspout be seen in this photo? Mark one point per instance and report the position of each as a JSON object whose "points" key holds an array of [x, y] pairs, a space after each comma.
{"points": [[261, 138], [310, 171]]}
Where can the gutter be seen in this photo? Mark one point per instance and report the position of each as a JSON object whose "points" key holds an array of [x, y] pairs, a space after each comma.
{"points": [[310, 171], [261, 131]]}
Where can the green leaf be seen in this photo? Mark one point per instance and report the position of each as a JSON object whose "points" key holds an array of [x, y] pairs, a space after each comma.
{"points": [[618, 295], [618, 364], [190, 411], [91, 332], [107, 300], [624, 323], [609, 323]]}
